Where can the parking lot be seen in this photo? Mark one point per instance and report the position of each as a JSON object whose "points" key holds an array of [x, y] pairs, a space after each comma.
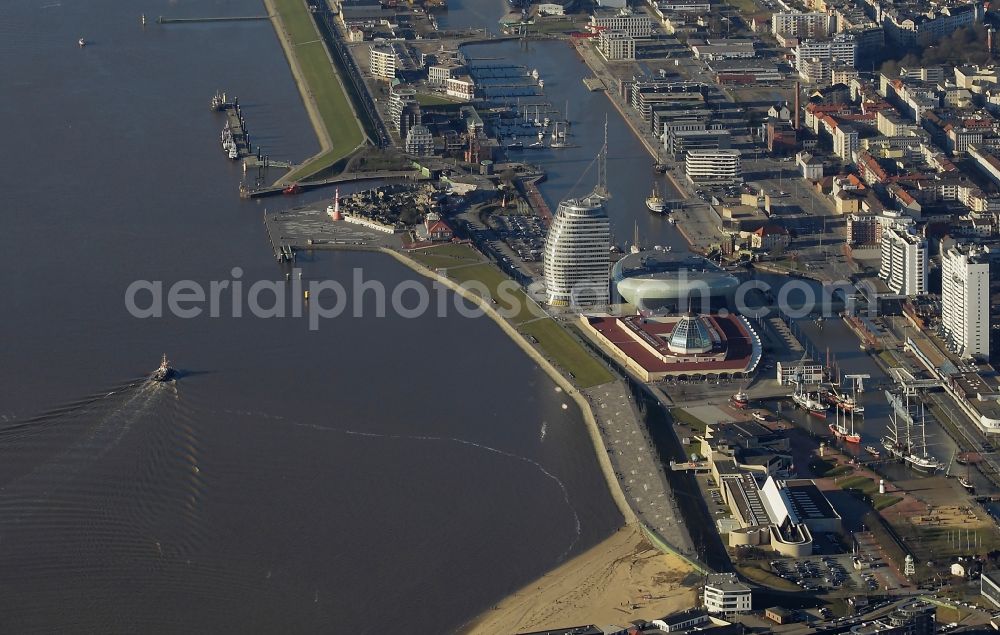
{"points": [[524, 234], [823, 572]]}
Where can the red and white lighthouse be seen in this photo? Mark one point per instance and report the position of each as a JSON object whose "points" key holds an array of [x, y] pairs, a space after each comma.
{"points": [[334, 210]]}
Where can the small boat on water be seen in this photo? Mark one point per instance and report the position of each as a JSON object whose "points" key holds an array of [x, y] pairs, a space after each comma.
{"points": [[164, 372], [672, 220], [82, 42], [871, 449], [541, 83], [759, 417]]}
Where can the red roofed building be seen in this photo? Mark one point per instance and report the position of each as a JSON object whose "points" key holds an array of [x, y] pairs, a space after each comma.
{"points": [[435, 229], [770, 237], [684, 347], [870, 169]]}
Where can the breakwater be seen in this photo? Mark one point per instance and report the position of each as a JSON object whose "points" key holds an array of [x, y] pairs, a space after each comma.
{"points": [[246, 18]]}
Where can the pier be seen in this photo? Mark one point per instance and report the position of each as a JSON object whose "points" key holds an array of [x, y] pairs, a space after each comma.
{"points": [[246, 18], [235, 132], [312, 228]]}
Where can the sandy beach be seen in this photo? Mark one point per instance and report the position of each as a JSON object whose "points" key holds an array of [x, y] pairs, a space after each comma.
{"points": [[622, 579]]}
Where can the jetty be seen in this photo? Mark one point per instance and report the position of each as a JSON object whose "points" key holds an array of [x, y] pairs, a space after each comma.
{"points": [[246, 18], [236, 127], [312, 228]]}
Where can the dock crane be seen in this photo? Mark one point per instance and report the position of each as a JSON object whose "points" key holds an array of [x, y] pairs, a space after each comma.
{"points": [[858, 381]]}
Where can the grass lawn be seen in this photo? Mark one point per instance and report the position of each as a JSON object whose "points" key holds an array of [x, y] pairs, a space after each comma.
{"points": [[747, 7], [869, 488], [766, 578], [888, 359], [827, 469], [463, 252], [435, 261], [688, 419], [445, 256], [321, 80], [568, 353], [552, 26], [512, 302], [884, 501]]}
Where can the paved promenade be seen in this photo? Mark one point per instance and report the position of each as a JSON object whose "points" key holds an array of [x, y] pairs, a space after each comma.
{"points": [[637, 464]]}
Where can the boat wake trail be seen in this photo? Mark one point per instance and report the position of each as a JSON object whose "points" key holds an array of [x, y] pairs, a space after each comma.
{"points": [[48, 455]]}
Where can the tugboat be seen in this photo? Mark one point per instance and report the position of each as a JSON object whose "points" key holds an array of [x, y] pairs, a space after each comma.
{"points": [[292, 189], [164, 372], [740, 400], [655, 202]]}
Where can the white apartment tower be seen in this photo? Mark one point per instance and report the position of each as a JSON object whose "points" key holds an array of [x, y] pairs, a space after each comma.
{"points": [[802, 24], [965, 301], [576, 260], [382, 61], [904, 261], [616, 45], [713, 166]]}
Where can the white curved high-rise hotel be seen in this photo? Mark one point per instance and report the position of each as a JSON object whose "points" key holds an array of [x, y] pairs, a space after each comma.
{"points": [[577, 254]]}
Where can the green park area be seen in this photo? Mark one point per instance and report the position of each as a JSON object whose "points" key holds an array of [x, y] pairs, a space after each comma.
{"points": [[867, 488], [568, 353], [320, 78]]}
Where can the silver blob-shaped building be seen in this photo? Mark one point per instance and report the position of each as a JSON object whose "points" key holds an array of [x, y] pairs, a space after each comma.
{"points": [[655, 280], [576, 259]]}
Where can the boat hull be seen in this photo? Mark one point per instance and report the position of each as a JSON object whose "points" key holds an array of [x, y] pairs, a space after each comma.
{"points": [[657, 207], [920, 465]]}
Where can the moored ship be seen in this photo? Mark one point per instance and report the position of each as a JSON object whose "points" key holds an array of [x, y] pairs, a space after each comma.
{"points": [[655, 203], [907, 437], [740, 400], [807, 401]]}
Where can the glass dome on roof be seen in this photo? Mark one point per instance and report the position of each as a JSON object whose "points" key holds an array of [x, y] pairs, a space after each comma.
{"points": [[690, 336]]}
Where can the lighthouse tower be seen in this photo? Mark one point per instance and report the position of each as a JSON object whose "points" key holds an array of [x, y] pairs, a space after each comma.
{"points": [[334, 210]]}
